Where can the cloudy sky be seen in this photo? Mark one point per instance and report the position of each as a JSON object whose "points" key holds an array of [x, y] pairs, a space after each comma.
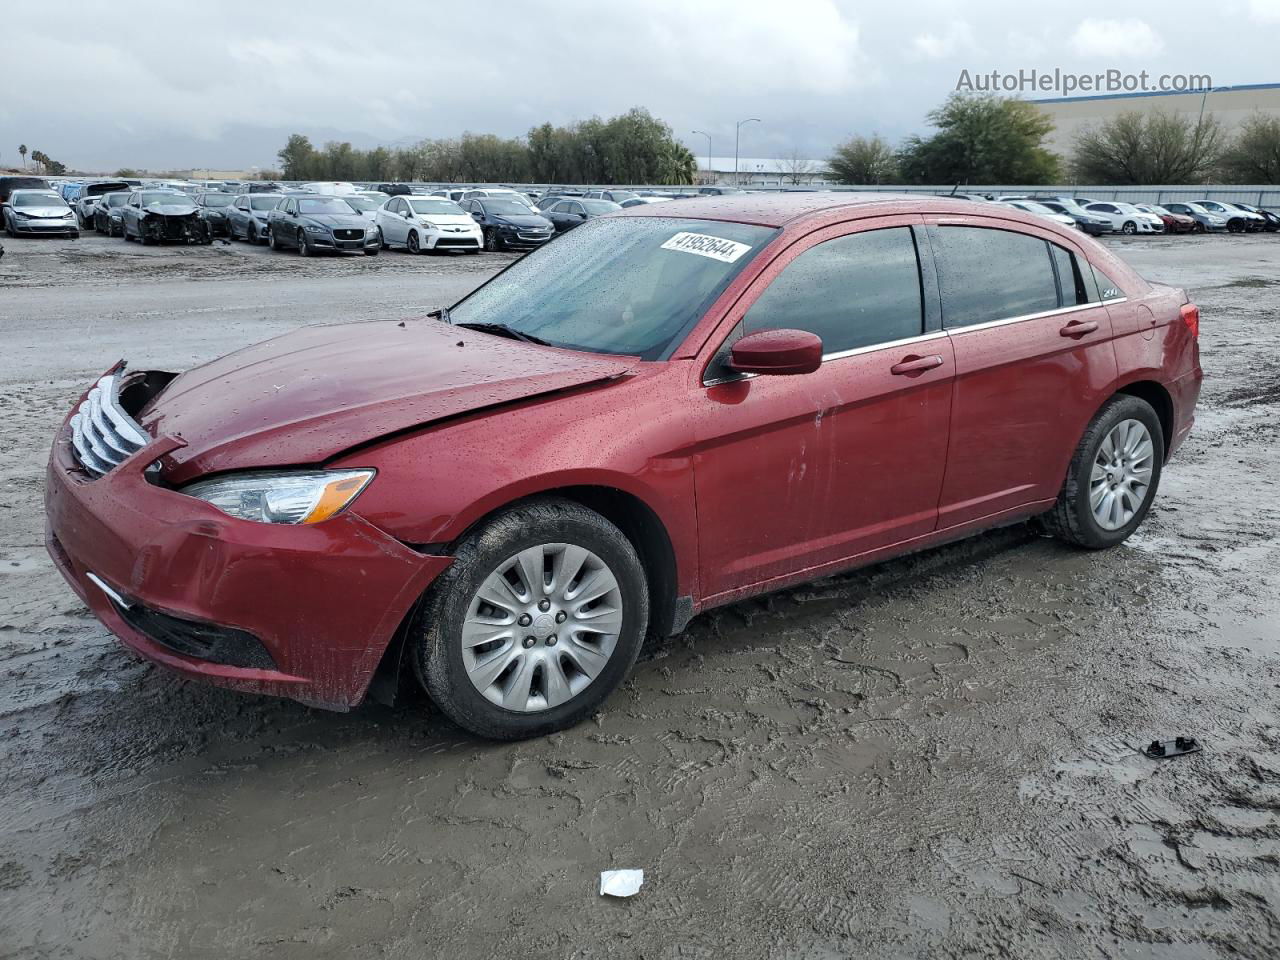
{"points": [[223, 82]]}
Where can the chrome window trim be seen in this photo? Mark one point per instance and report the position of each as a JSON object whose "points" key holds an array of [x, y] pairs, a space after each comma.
{"points": [[887, 345], [1057, 311]]}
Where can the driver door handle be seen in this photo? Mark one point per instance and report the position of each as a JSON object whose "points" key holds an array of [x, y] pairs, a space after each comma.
{"points": [[914, 364], [1078, 328]]}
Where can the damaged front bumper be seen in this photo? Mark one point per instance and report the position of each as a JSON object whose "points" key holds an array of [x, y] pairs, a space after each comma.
{"points": [[298, 611], [187, 228]]}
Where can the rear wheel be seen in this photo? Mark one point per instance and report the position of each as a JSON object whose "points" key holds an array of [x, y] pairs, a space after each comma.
{"points": [[1113, 476], [537, 620]]}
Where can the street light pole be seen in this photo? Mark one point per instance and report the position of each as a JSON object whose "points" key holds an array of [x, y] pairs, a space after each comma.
{"points": [[737, 134], [708, 136]]}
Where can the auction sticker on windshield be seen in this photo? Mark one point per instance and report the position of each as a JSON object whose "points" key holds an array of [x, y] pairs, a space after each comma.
{"points": [[705, 245]]}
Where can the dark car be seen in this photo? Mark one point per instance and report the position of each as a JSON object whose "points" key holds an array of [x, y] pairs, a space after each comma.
{"points": [[86, 199], [266, 186], [570, 212], [508, 223], [10, 184], [214, 208], [717, 191], [674, 409], [154, 216], [313, 222], [247, 215], [394, 189], [1091, 223], [1272, 218], [108, 214]]}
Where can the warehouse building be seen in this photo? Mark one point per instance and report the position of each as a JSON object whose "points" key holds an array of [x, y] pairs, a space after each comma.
{"points": [[1230, 105]]}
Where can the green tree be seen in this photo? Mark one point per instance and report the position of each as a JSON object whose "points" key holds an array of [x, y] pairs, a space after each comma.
{"points": [[298, 158], [863, 160], [981, 139], [1151, 147], [22, 152], [1254, 156]]}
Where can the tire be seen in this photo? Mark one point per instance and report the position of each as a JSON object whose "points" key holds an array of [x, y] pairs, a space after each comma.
{"points": [[304, 248], [491, 241], [437, 631], [382, 240], [271, 239], [372, 252], [1198, 227], [1072, 518], [1129, 227], [411, 244]]}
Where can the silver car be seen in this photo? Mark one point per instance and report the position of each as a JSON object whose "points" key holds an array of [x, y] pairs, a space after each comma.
{"points": [[31, 212]]}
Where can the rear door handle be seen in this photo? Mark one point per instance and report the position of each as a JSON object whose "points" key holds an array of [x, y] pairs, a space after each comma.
{"points": [[914, 364], [1078, 328]]}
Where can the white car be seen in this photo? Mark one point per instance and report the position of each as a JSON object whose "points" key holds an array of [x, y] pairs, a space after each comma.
{"points": [[427, 223], [1040, 210], [38, 212], [1126, 218], [481, 193], [1238, 219], [329, 188], [365, 206], [642, 201]]}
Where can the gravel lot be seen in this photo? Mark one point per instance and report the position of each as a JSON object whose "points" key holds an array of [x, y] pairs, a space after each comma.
{"points": [[934, 757]]}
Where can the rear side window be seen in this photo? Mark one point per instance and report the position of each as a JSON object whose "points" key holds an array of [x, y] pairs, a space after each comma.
{"points": [[986, 274], [1074, 288], [854, 291]]}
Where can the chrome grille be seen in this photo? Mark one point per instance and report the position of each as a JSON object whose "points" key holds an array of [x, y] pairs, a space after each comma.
{"points": [[102, 434]]}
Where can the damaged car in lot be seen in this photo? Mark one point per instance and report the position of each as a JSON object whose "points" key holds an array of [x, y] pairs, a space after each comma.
{"points": [[214, 209], [38, 212], [669, 409], [154, 216]]}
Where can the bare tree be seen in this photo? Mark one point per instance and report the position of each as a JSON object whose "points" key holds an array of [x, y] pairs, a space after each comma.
{"points": [[1254, 157], [1154, 147], [798, 168], [863, 160]]}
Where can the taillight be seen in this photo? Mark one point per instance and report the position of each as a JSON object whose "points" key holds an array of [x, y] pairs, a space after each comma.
{"points": [[1191, 317]]}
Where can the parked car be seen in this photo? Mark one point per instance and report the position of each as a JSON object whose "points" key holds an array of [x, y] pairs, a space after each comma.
{"points": [[214, 210], [1237, 220], [9, 184], [153, 216], [108, 214], [313, 222], [364, 206], [1094, 224], [263, 187], [717, 191], [496, 192], [394, 189], [508, 223], [87, 198], [542, 203], [38, 212], [328, 188], [1126, 218], [429, 223], [1254, 221], [1040, 210], [454, 194], [504, 502], [1173, 222], [1271, 219], [1204, 220], [248, 213], [617, 196], [641, 201], [570, 212]]}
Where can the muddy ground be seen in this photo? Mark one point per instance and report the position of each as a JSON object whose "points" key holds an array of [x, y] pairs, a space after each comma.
{"points": [[935, 757]]}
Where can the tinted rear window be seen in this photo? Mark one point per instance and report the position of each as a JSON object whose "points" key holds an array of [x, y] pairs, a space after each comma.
{"points": [[854, 291], [987, 274]]}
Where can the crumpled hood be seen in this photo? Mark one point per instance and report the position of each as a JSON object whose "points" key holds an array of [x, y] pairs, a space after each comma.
{"points": [[171, 209], [307, 396], [43, 213]]}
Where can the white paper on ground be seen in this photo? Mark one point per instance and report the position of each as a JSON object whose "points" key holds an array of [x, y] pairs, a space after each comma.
{"points": [[620, 883]]}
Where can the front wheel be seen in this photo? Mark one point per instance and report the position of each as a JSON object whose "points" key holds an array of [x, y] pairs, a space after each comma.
{"points": [[1129, 227], [304, 248], [412, 243], [1113, 476], [538, 619], [491, 241]]}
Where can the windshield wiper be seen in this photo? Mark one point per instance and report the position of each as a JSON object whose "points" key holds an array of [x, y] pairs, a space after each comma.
{"points": [[501, 329]]}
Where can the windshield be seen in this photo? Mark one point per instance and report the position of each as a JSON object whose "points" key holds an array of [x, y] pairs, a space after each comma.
{"points": [[506, 208], [361, 204], [164, 197], [435, 206], [217, 199], [600, 206], [264, 201], [25, 199], [1195, 208], [1152, 208], [324, 205], [633, 285], [1032, 207], [116, 199]]}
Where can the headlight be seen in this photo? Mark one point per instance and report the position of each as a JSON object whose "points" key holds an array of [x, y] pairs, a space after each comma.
{"points": [[286, 496], [316, 228]]}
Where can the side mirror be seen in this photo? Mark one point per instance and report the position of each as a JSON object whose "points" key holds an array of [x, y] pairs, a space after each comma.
{"points": [[778, 352]]}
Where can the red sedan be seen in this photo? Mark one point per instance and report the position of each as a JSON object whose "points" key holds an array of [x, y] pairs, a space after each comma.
{"points": [[663, 411], [1173, 222]]}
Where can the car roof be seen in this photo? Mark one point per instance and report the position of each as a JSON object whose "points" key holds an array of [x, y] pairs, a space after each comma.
{"points": [[781, 209]]}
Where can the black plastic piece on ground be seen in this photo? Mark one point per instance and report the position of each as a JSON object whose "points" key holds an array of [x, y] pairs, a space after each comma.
{"points": [[1164, 749]]}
